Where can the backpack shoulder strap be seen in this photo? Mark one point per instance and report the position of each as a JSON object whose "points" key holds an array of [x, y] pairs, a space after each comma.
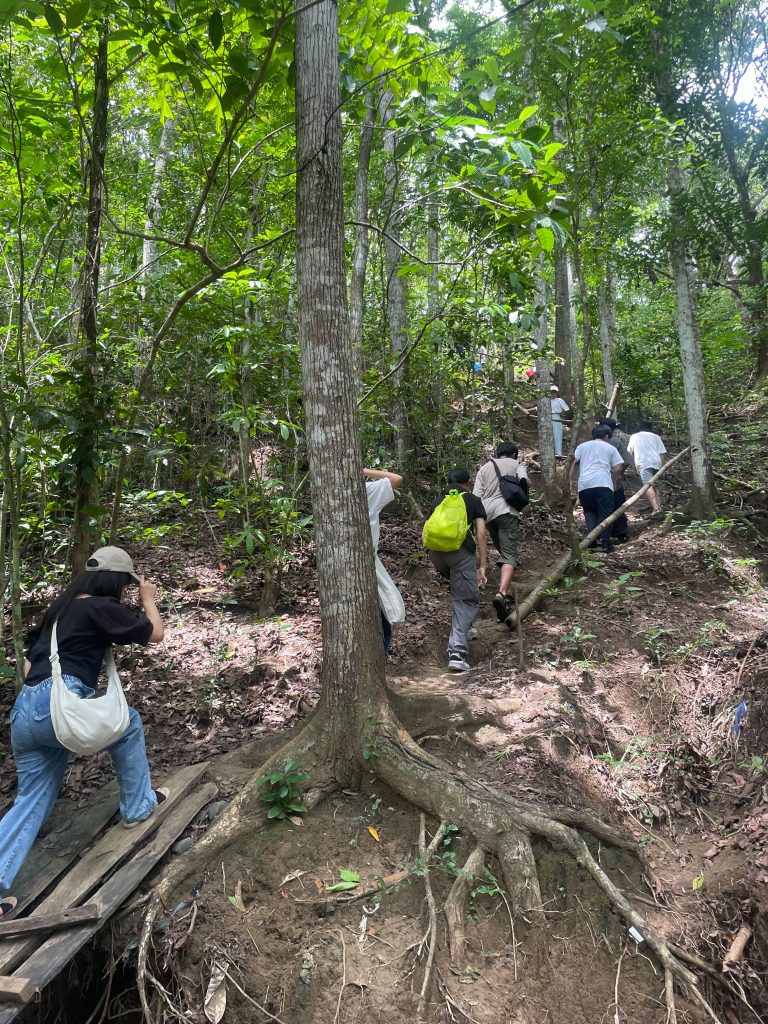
{"points": [[496, 467]]}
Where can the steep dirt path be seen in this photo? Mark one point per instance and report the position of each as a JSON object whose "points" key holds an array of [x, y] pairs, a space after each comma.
{"points": [[633, 672]]}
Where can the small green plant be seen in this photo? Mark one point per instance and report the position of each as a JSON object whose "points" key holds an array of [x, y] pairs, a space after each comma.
{"points": [[755, 764], [567, 583], [281, 790], [617, 591], [486, 884], [654, 644]]}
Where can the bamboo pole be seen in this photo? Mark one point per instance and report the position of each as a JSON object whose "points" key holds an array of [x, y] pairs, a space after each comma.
{"points": [[535, 595], [613, 401]]}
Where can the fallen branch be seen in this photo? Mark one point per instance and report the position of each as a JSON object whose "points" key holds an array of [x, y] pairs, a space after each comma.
{"points": [[555, 574]]}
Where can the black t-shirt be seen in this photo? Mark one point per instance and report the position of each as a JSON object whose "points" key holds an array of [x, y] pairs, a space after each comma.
{"points": [[475, 510], [84, 632]]}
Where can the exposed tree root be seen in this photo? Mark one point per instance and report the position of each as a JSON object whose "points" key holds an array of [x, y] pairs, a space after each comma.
{"points": [[500, 824], [426, 853], [454, 907], [427, 707]]}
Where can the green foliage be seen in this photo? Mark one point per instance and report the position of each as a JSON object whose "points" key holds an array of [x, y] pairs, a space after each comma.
{"points": [[281, 791]]}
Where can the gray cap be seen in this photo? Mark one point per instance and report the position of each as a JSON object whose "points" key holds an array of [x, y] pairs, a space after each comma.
{"points": [[111, 559]]}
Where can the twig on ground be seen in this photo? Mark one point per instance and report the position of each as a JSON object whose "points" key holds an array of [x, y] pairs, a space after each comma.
{"points": [[250, 999], [616, 1014], [343, 975]]}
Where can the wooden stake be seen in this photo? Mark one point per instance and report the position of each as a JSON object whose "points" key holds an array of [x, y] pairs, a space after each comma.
{"points": [[49, 922], [613, 401]]}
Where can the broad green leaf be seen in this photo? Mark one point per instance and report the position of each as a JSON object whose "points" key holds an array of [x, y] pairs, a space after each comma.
{"points": [[348, 876], [216, 29], [341, 886], [546, 239], [53, 18], [77, 13]]}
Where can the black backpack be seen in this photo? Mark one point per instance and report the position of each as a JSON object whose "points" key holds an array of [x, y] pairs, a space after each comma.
{"points": [[513, 491]]}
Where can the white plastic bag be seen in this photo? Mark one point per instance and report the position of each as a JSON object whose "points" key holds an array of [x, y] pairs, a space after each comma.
{"points": [[86, 725], [390, 598]]}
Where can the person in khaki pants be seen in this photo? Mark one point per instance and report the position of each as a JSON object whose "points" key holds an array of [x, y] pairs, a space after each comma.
{"points": [[503, 520]]}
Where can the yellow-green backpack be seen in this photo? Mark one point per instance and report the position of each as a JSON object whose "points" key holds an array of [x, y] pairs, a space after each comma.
{"points": [[447, 527]]}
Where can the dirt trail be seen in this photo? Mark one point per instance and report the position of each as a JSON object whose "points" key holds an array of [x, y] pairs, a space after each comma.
{"points": [[632, 674]]}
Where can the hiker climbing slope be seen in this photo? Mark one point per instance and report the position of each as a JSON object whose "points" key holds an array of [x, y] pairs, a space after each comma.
{"points": [[452, 552], [88, 617], [503, 518]]}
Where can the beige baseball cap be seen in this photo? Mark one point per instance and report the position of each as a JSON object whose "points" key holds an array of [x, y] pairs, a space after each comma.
{"points": [[111, 559]]}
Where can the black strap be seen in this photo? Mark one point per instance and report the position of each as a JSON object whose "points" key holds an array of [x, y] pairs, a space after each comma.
{"points": [[498, 471]]}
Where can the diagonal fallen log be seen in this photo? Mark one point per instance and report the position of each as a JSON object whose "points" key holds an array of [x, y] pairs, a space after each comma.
{"points": [[555, 574]]}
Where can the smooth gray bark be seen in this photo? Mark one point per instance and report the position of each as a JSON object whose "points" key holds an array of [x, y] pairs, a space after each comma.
{"points": [[353, 658]]}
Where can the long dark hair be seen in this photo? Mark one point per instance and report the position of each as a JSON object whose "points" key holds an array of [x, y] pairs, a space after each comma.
{"points": [[103, 583]]}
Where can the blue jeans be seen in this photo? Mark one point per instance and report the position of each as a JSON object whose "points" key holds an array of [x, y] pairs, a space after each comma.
{"points": [[41, 762]]}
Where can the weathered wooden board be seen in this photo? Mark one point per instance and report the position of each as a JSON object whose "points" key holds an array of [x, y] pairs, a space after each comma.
{"points": [[17, 990], [54, 954], [50, 922], [97, 862], [71, 832]]}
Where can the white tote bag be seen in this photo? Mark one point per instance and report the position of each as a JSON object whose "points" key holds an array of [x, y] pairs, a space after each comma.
{"points": [[86, 725], [390, 598]]}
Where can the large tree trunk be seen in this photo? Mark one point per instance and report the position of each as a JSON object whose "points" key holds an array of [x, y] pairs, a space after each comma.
{"points": [[352, 674], [702, 486], [686, 315], [150, 249], [565, 323], [547, 460], [604, 312], [362, 240], [92, 403]]}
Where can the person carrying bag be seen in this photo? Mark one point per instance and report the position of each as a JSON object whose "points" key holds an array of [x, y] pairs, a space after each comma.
{"points": [[56, 713]]}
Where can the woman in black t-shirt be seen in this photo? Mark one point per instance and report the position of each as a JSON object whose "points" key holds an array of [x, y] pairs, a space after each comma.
{"points": [[89, 618]]}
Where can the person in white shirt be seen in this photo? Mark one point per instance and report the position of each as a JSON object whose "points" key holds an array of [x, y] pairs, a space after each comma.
{"points": [[599, 466], [379, 491], [558, 409], [648, 451]]}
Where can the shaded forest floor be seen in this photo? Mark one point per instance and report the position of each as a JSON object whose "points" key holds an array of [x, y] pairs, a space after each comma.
{"points": [[625, 703]]}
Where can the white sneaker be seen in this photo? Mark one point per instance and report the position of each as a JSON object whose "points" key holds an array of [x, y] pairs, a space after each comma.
{"points": [[457, 662], [471, 633]]}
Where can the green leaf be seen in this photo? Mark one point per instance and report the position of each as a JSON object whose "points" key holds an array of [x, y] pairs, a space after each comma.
{"points": [[53, 18], [698, 882], [396, 6], [522, 152], [546, 239], [276, 811], [341, 887], [77, 13], [348, 876], [216, 29]]}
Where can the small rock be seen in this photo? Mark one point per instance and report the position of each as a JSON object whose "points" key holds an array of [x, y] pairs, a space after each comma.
{"points": [[182, 846], [215, 809]]}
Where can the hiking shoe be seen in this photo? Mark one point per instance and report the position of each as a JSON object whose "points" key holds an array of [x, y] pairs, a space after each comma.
{"points": [[501, 607], [7, 905], [162, 795], [457, 662], [471, 633]]}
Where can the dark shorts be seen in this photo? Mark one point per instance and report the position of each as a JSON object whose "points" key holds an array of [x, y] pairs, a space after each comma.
{"points": [[505, 533]]}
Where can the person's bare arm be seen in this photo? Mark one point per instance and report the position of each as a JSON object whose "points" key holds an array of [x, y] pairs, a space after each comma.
{"points": [[482, 547], [27, 667], [148, 597], [381, 474], [617, 471]]}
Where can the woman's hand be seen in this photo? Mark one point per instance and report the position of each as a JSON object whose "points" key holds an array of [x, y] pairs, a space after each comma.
{"points": [[148, 595], [147, 591]]}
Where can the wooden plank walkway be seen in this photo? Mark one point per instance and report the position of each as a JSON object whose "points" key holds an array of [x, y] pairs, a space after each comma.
{"points": [[37, 959]]}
